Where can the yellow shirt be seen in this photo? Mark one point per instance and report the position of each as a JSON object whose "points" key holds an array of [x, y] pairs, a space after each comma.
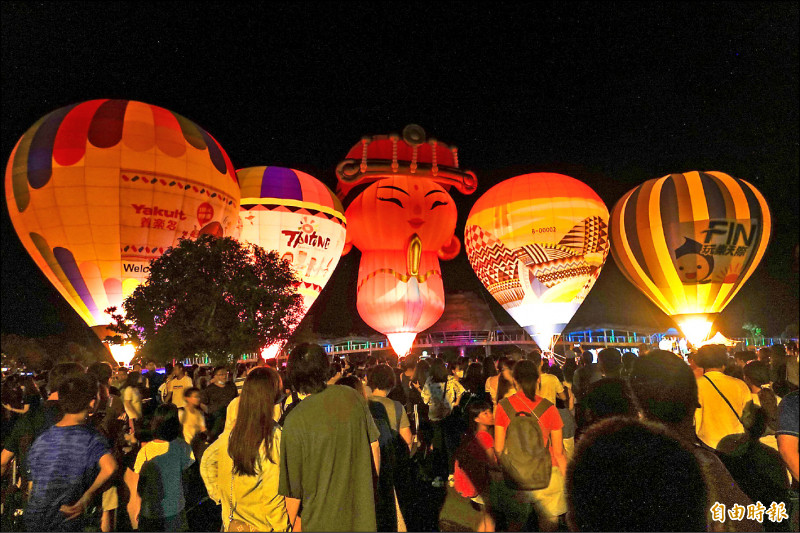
{"points": [[549, 387], [193, 423], [714, 419], [255, 498]]}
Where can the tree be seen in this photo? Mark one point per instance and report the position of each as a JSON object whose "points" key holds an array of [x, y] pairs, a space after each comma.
{"points": [[754, 330], [211, 296]]}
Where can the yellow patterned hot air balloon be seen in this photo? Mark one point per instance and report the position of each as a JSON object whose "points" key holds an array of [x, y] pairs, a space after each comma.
{"points": [[98, 189], [689, 241], [537, 242]]}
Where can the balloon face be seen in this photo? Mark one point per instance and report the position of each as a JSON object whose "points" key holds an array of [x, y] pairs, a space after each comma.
{"points": [[296, 215], [689, 241], [98, 189], [401, 224], [537, 242]]}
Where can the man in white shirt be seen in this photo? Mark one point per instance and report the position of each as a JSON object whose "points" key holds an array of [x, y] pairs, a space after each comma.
{"points": [[176, 385]]}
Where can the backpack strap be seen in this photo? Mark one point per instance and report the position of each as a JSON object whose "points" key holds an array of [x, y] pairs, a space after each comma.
{"points": [[724, 398]]}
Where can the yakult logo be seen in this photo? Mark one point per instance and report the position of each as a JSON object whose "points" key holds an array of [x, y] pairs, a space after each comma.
{"points": [[155, 211]]}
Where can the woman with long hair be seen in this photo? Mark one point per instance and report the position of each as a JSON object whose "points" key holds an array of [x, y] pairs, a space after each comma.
{"points": [[132, 397], [502, 384], [240, 469]]}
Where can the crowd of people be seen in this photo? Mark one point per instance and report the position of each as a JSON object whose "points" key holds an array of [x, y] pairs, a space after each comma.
{"points": [[648, 442]]}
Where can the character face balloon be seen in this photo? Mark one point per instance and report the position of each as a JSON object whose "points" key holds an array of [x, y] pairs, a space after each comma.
{"points": [[689, 242], [402, 225], [538, 242], [98, 189]]}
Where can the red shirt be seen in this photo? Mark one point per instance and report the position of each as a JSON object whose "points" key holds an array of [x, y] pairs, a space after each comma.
{"points": [[471, 475], [549, 421]]}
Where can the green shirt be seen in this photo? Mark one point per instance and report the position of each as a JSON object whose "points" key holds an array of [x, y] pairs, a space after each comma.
{"points": [[326, 460]]}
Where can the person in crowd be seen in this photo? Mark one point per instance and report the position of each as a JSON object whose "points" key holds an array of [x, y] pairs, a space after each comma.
{"points": [[192, 417], [756, 376], [792, 365], [606, 398], [216, 397], [778, 367], [787, 432], [118, 377], [241, 468], [788, 416], [627, 364], [475, 459], [586, 374], [36, 421], [417, 406], [389, 417], [609, 362], [132, 399], [501, 385], [154, 381], [722, 398], [69, 462], [177, 383], [764, 354], [356, 384], [160, 465], [474, 382], [565, 408], [442, 393], [109, 419], [757, 469], [691, 358], [328, 448], [550, 386], [548, 503], [605, 491], [666, 391]]}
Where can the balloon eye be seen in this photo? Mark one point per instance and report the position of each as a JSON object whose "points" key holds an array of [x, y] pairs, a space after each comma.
{"points": [[699, 267], [437, 203], [680, 268], [392, 200]]}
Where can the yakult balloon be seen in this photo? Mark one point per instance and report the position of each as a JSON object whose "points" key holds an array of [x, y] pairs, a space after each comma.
{"points": [[98, 189], [537, 242], [402, 218], [689, 242], [296, 215]]}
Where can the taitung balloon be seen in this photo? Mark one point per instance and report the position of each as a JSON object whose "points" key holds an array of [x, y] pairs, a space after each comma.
{"points": [[689, 241], [402, 218], [299, 217], [537, 242], [97, 190]]}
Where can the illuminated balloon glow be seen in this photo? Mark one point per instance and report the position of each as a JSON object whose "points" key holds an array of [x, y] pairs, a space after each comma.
{"points": [[296, 215], [402, 219], [689, 242], [98, 189], [537, 242]]}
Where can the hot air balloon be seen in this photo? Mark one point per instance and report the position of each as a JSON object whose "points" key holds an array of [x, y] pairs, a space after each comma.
{"points": [[96, 190], [537, 242], [689, 241], [296, 215], [402, 218]]}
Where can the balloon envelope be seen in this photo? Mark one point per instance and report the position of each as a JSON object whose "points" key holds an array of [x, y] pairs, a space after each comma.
{"points": [[98, 189], [537, 242], [296, 215], [689, 242]]}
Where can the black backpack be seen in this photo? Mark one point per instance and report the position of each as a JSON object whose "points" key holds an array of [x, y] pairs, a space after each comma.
{"points": [[525, 458]]}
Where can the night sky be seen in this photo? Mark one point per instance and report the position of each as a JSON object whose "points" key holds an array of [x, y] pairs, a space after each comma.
{"points": [[612, 94]]}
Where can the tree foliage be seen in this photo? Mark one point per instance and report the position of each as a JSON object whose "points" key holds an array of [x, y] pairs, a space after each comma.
{"points": [[211, 296]]}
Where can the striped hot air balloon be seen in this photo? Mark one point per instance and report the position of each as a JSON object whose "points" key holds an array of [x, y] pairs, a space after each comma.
{"points": [[98, 189], [689, 242]]}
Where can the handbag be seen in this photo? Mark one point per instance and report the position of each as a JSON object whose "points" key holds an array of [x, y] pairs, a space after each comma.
{"points": [[233, 523], [458, 513]]}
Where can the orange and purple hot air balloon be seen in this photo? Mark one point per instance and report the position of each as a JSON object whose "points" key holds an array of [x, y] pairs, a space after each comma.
{"points": [[98, 189]]}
